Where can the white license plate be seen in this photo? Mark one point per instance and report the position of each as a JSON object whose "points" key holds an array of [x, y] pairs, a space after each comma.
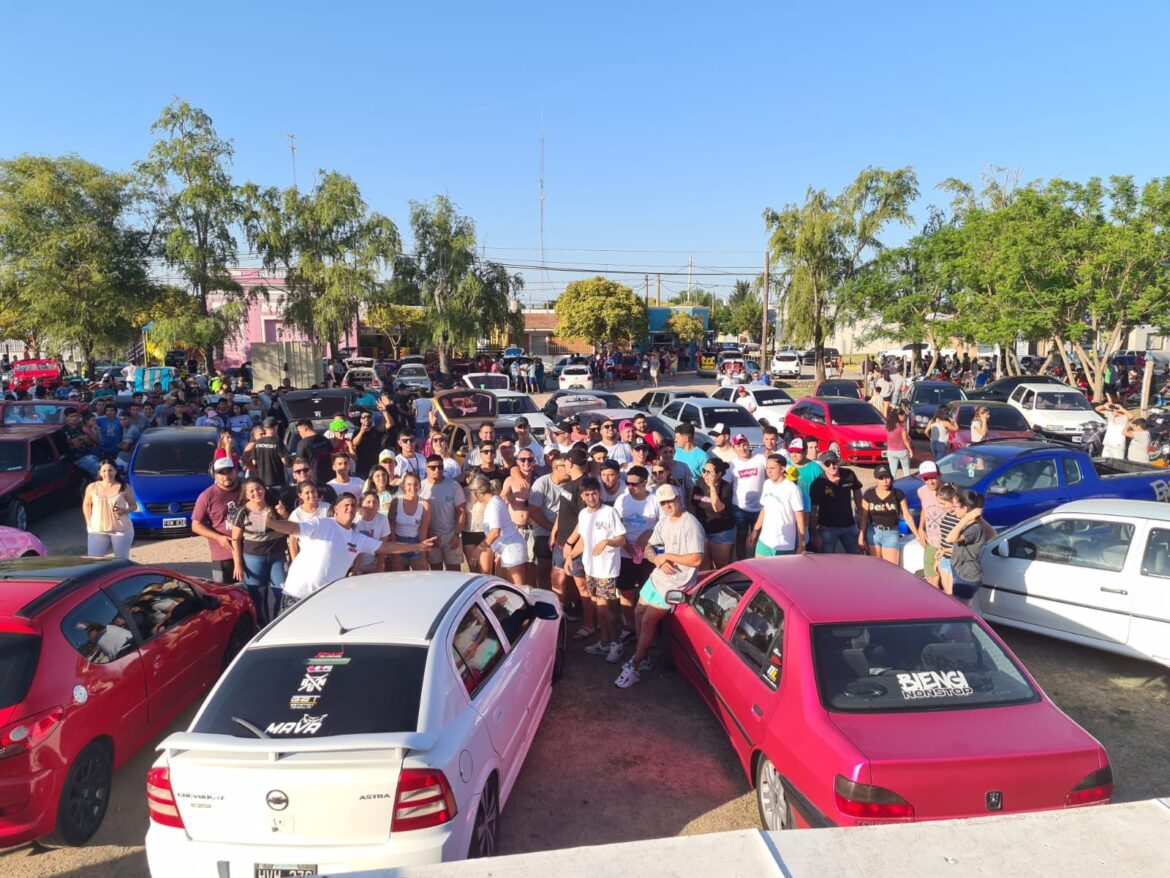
{"points": [[280, 870], [1077, 438], [174, 522]]}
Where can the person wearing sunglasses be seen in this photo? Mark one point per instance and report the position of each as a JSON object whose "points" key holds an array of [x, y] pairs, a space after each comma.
{"points": [[516, 493], [212, 518], [639, 513], [369, 441], [448, 507], [487, 433], [836, 503], [615, 449], [525, 441], [409, 460], [712, 507]]}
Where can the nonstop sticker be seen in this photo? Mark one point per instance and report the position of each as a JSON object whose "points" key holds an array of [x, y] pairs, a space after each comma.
{"points": [[328, 658], [934, 684]]}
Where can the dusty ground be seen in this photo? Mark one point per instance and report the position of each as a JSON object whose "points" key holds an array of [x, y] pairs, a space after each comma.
{"points": [[611, 765]]}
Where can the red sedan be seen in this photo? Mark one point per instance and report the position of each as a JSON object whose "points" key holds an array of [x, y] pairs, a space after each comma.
{"points": [[96, 658], [855, 693], [855, 430]]}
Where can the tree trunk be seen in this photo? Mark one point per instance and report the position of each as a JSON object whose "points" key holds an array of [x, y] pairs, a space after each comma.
{"points": [[1093, 371], [1068, 369]]}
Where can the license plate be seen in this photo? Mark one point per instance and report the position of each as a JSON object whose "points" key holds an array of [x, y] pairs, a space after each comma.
{"points": [[282, 870], [174, 522], [1077, 438]]}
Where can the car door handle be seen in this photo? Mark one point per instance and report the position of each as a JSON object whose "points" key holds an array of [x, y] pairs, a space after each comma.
{"points": [[1114, 590], [757, 711], [707, 650]]}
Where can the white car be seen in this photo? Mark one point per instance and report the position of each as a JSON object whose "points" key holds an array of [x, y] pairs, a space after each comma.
{"points": [[575, 377], [706, 414], [381, 722], [1054, 411], [786, 364], [769, 404], [513, 404]]}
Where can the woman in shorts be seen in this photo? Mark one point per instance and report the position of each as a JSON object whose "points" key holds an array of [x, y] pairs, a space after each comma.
{"points": [[500, 534], [882, 506], [410, 521], [712, 506]]}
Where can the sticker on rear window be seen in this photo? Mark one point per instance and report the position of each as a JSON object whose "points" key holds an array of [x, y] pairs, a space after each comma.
{"points": [[934, 684], [306, 725], [304, 702], [328, 658], [313, 682]]}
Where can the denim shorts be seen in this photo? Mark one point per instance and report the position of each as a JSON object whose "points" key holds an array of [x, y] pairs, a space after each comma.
{"points": [[745, 519], [887, 539], [723, 538], [409, 556], [944, 563], [558, 560]]}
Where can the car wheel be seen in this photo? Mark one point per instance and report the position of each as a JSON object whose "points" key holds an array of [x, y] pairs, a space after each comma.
{"points": [[85, 795], [485, 834], [241, 634], [558, 670], [775, 812], [17, 515], [835, 448]]}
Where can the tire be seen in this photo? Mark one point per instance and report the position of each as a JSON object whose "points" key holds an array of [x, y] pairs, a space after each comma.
{"points": [[774, 807], [485, 833], [241, 634], [835, 447], [787, 436], [558, 669], [17, 516], [85, 795]]}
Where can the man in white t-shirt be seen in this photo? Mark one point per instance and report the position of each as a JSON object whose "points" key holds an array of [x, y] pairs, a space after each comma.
{"points": [[328, 549], [342, 482], [423, 405], [746, 473], [597, 541], [639, 512], [781, 524], [526, 441], [678, 540]]}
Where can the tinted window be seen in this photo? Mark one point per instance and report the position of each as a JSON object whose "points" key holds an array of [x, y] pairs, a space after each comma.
{"points": [[512, 611], [716, 601], [936, 394], [1072, 470], [855, 413], [771, 397], [1031, 475], [966, 467], [1062, 401], [911, 666], [516, 405], [42, 452], [729, 415], [299, 691], [476, 650], [758, 636], [1099, 545], [1000, 418], [318, 407], [671, 411], [1156, 561], [156, 602], [18, 663], [175, 454], [31, 413], [98, 630]]}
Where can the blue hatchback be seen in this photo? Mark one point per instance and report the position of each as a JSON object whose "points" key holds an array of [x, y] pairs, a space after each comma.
{"points": [[169, 469]]}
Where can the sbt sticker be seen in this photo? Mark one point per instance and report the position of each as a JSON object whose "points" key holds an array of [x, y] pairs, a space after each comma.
{"points": [[933, 684]]}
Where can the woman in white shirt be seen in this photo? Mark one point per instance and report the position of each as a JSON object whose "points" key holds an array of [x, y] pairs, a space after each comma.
{"points": [[501, 535], [311, 507], [410, 522]]}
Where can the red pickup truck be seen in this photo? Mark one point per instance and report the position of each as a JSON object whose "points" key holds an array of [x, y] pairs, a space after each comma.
{"points": [[26, 372]]}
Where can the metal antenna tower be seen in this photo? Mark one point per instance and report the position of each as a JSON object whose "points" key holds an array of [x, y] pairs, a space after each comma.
{"points": [[543, 270], [292, 148]]}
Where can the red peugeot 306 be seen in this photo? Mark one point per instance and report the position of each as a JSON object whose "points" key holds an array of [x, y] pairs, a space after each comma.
{"points": [[96, 658], [856, 693]]}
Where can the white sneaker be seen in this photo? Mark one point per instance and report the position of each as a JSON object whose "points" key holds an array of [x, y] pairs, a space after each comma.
{"points": [[628, 677], [627, 635], [645, 665], [599, 648], [615, 653]]}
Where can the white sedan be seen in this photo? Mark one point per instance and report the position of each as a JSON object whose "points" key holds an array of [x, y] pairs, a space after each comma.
{"points": [[1094, 572], [575, 377], [769, 404], [380, 722]]}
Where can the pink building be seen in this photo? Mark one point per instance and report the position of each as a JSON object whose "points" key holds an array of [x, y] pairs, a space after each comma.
{"points": [[264, 321]]}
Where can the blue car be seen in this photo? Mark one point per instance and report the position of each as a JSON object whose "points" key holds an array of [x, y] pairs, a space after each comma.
{"points": [[169, 469]]}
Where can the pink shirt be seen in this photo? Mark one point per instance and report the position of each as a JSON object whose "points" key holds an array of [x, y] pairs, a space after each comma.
{"points": [[895, 440]]}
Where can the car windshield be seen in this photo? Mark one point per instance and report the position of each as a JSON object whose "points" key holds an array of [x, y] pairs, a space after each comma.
{"points": [[852, 414], [1006, 418], [11, 456], [967, 466], [1062, 401], [18, 662], [839, 388], [412, 370], [372, 689], [317, 407], [772, 397], [936, 394], [176, 454], [31, 413], [516, 405], [914, 666], [730, 416]]}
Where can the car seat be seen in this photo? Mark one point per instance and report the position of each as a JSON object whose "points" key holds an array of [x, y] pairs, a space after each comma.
{"points": [[950, 657]]}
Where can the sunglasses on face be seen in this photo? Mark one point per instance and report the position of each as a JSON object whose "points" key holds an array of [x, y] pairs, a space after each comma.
{"points": [[659, 472], [434, 466], [405, 441], [526, 459], [830, 465], [634, 483], [301, 471]]}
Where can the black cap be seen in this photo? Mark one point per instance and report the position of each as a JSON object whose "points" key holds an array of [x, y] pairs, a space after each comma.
{"points": [[882, 472], [521, 422], [270, 422]]}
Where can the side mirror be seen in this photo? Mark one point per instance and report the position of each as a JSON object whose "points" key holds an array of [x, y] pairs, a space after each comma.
{"points": [[1000, 551], [674, 597], [210, 602], [997, 489], [546, 611], [1035, 428]]}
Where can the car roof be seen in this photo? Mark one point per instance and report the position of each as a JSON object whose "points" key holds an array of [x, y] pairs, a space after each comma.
{"points": [[852, 588], [402, 607], [30, 585], [708, 402], [1012, 448], [1150, 509], [165, 433], [835, 400], [1047, 386]]}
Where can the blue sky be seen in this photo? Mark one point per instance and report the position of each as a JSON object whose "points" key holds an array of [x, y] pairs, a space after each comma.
{"points": [[668, 127]]}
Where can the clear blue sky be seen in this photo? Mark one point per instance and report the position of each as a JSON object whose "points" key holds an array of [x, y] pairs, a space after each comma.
{"points": [[667, 127]]}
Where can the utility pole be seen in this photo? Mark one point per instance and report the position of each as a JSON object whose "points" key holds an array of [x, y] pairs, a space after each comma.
{"points": [[658, 290], [646, 292], [764, 361], [690, 268], [292, 148]]}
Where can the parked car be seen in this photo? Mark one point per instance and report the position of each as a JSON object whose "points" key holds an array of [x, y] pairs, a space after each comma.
{"points": [[362, 371], [25, 373], [50, 412], [1054, 412], [1000, 389], [99, 658], [855, 430], [771, 403], [654, 401], [1003, 422], [706, 414], [608, 400], [513, 404], [372, 746], [854, 693], [493, 381], [414, 376], [845, 388], [705, 364], [809, 357], [785, 364], [169, 468], [16, 543], [459, 413], [574, 377], [628, 368], [925, 398], [36, 470], [1023, 478]]}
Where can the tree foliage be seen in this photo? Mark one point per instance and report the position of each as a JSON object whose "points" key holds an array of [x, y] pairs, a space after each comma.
{"points": [[398, 323], [685, 327], [603, 312]]}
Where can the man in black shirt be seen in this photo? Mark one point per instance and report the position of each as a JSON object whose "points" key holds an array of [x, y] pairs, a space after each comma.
{"points": [[566, 522], [316, 449], [369, 442], [836, 503], [270, 455]]}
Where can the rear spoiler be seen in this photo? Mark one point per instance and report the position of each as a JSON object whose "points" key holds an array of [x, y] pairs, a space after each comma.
{"points": [[278, 747]]}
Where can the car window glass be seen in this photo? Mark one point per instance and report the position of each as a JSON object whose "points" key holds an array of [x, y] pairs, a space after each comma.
{"points": [[672, 410], [1156, 561], [1099, 545], [1031, 475], [98, 630], [156, 602], [758, 637], [716, 601], [690, 414], [1072, 471], [815, 415], [513, 613], [42, 452], [476, 649]]}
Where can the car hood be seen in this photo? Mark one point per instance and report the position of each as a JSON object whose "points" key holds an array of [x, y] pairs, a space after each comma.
{"points": [[1066, 418], [168, 488], [11, 481]]}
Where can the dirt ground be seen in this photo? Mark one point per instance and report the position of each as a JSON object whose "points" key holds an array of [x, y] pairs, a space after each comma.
{"points": [[611, 765]]}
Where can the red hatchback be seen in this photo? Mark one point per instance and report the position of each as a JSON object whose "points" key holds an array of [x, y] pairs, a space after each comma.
{"points": [[96, 658], [855, 430], [855, 693]]}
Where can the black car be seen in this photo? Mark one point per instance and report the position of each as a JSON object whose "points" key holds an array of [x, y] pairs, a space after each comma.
{"points": [[611, 400], [809, 357], [924, 401], [1000, 389], [319, 406]]}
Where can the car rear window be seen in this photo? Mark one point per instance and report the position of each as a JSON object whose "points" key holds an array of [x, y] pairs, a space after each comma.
{"points": [[936, 394], [852, 414], [913, 666], [772, 397], [730, 416], [306, 691], [1006, 418], [176, 454], [516, 405], [18, 663], [317, 407]]}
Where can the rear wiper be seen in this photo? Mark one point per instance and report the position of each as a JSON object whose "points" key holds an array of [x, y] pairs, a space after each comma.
{"points": [[251, 728]]}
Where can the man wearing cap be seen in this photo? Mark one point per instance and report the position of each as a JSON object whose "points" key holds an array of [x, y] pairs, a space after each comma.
{"points": [[721, 435], [212, 518], [747, 476], [687, 452], [780, 527], [744, 400], [526, 441], [677, 552], [614, 449], [626, 432], [930, 519], [836, 503], [559, 439], [642, 455], [270, 456], [808, 470]]}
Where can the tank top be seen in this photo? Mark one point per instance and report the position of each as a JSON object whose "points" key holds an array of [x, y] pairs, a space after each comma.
{"points": [[894, 441], [107, 515], [406, 525]]}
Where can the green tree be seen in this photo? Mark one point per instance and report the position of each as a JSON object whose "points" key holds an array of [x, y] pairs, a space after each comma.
{"points": [[333, 253], [397, 322], [819, 245], [72, 269], [603, 312], [195, 205], [744, 311], [685, 327]]}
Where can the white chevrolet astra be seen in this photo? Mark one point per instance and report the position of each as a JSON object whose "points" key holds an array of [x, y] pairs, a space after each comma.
{"points": [[380, 722]]}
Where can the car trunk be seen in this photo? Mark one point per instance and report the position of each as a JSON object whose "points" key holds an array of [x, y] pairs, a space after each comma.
{"points": [[1031, 754]]}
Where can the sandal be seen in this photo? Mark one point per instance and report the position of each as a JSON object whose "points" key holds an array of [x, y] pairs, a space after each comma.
{"points": [[583, 633]]}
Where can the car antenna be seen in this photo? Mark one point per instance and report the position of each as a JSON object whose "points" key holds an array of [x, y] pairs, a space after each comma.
{"points": [[342, 630]]}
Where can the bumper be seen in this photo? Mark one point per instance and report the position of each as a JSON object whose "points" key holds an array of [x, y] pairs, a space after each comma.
{"points": [[148, 523], [863, 455], [28, 807], [1076, 437]]}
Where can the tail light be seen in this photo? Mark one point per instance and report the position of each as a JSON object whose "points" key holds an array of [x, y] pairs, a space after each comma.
{"points": [[868, 802], [1095, 789], [424, 799], [21, 736], [160, 798]]}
